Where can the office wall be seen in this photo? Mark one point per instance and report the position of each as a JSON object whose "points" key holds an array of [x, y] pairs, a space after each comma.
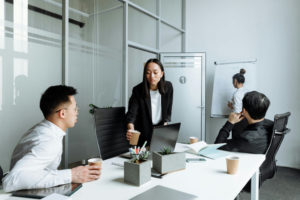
{"points": [[30, 61], [267, 30]]}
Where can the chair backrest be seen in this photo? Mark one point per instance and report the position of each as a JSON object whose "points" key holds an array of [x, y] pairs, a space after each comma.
{"points": [[1, 175], [268, 167], [111, 131]]}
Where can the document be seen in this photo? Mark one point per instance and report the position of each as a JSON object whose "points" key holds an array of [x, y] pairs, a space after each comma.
{"points": [[207, 150]]}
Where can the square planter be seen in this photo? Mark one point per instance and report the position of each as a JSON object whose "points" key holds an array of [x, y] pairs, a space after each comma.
{"points": [[168, 163], [137, 174]]}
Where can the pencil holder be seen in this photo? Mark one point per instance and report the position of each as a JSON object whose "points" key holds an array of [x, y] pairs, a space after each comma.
{"points": [[137, 173], [169, 162]]}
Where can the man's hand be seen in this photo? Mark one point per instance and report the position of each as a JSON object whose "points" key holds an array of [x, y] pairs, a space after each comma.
{"points": [[84, 174], [235, 117]]}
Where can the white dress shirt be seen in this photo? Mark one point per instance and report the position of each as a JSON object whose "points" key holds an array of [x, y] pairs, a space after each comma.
{"points": [[155, 106], [237, 99], [36, 158]]}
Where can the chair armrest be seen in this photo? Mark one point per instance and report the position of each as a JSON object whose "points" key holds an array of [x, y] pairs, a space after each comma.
{"points": [[287, 130]]}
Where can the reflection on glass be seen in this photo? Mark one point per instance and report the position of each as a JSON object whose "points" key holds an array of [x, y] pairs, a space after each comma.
{"points": [[1, 80], [20, 76], [21, 25], [1, 28]]}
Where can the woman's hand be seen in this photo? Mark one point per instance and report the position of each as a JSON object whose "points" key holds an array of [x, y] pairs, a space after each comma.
{"points": [[229, 104], [130, 126]]}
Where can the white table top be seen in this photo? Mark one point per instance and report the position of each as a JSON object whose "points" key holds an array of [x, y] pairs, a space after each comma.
{"points": [[207, 180]]}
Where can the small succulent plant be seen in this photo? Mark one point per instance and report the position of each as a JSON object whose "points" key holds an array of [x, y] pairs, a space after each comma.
{"points": [[166, 150], [140, 157]]}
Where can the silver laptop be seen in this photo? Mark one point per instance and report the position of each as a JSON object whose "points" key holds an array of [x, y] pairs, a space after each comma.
{"points": [[164, 136]]}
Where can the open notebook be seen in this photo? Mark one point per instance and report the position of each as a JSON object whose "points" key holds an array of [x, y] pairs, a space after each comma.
{"points": [[207, 150]]}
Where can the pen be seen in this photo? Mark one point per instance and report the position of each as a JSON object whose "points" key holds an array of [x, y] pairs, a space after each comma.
{"points": [[144, 144]]}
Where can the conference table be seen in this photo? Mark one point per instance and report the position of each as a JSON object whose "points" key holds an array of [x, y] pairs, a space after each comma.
{"points": [[208, 180]]}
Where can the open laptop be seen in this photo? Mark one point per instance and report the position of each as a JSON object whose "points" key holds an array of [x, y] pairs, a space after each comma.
{"points": [[164, 136]]}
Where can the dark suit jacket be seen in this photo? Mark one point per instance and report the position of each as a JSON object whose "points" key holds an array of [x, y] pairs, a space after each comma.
{"points": [[252, 138], [140, 114]]}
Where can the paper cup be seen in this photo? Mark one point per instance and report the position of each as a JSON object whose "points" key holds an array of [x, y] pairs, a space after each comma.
{"points": [[232, 163], [193, 140], [135, 137], [95, 162]]}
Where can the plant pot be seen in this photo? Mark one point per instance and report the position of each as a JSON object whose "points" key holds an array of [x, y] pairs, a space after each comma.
{"points": [[168, 163], [137, 174]]}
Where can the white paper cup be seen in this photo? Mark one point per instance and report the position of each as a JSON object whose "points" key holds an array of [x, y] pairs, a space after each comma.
{"points": [[232, 163]]}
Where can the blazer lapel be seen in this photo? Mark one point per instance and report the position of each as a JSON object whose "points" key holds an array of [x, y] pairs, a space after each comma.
{"points": [[163, 107], [148, 104]]}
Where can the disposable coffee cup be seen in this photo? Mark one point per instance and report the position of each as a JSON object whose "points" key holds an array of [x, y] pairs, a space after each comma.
{"points": [[193, 140], [232, 163], [95, 162], [135, 137]]}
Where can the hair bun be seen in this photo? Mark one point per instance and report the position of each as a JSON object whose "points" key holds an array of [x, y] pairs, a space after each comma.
{"points": [[242, 71]]}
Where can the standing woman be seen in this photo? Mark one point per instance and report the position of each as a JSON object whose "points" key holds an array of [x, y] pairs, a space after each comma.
{"points": [[150, 103], [238, 81]]}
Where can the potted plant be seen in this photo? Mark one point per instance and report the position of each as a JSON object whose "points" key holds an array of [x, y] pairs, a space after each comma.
{"points": [[168, 161], [137, 171]]}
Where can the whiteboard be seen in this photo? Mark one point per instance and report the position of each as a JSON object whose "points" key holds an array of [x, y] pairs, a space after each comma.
{"points": [[223, 88]]}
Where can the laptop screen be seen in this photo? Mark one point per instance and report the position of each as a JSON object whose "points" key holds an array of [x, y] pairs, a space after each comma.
{"points": [[164, 136]]}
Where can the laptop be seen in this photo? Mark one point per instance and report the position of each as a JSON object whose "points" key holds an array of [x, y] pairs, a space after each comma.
{"points": [[164, 136], [161, 193], [67, 190]]}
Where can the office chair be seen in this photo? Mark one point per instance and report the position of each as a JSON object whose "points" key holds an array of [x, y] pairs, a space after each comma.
{"points": [[111, 131], [268, 168], [1, 175]]}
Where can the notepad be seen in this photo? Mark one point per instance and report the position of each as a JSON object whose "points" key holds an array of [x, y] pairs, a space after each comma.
{"points": [[208, 150], [162, 193]]}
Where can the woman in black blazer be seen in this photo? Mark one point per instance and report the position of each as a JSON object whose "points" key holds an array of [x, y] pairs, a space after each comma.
{"points": [[150, 103]]}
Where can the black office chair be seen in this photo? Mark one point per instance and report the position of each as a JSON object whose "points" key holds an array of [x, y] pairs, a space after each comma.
{"points": [[111, 131], [1, 175], [268, 168]]}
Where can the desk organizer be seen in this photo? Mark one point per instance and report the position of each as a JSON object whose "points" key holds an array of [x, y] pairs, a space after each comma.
{"points": [[137, 174], [168, 163]]}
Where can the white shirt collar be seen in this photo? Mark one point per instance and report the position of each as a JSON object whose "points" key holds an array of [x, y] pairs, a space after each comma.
{"points": [[58, 131]]}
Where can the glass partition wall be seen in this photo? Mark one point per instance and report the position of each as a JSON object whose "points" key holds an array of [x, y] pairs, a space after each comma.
{"points": [[108, 43]]}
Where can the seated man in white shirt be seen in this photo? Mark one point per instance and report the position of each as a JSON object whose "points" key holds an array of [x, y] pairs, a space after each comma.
{"points": [[38, 154]]}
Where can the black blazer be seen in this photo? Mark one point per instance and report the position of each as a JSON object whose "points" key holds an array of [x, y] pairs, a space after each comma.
{"points": [[140, 114]]}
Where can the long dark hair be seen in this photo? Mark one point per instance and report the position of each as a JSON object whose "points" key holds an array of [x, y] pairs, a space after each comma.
{"points": [[239, 77], [161, 83]]}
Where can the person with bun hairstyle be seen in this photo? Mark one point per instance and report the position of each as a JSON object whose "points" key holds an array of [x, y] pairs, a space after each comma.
{"points": [[238, 81], [150, 103]]}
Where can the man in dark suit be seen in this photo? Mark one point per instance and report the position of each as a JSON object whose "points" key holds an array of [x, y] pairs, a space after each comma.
{"points": [[251, 132]]}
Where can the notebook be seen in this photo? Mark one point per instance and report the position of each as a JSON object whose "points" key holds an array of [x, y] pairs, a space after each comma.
{"points": [[162, 193], [207, 150]]}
